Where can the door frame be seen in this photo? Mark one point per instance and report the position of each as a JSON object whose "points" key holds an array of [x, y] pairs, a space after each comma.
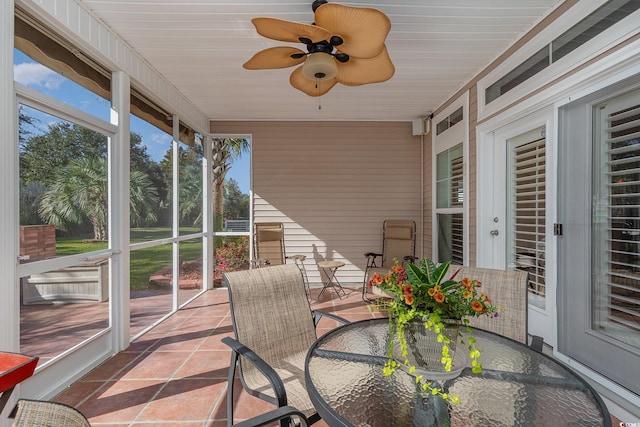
{"points": [[600, 93], [492, 137], [614, 68]]}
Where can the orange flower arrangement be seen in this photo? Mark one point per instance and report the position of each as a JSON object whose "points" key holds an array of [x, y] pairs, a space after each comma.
{"points": [[421, 292], [422, 288]]}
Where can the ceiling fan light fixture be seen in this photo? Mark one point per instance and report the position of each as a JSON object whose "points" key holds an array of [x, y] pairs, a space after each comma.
{"points": [[319, 66], [345, 44]]}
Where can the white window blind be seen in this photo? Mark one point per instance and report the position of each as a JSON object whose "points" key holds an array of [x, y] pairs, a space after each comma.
{"points": [[528, 205], [622, 248], [451, 238], [450, 204], [457, 239], [457, 184]]}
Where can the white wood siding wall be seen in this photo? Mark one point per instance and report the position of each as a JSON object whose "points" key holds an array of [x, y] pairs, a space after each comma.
{"points": [[332, 184]]}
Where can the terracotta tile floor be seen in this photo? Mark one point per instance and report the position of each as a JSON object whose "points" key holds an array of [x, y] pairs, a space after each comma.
{"points": [[176, 374], [47, 330]]}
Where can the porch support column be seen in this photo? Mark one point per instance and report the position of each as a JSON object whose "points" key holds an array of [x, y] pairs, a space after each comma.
{"points": [[176, 212], [119, 174], [9, 209], [207, 214]]}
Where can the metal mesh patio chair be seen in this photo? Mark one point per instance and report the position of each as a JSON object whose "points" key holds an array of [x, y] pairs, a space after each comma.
{"points": [[508, 290], [270, 250], [398, 242], [37, 413], [274, 327], [283, 413]]}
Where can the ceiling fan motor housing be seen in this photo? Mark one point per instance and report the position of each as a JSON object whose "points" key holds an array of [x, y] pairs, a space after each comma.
{"points": [[317, 3], [319, 66]]}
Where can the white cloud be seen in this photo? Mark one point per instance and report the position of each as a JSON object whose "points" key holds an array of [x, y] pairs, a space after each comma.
{"points": [[160, 138], [36, 75]]}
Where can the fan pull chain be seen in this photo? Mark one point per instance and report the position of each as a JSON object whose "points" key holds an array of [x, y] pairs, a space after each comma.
{"points": [[319, 96]]}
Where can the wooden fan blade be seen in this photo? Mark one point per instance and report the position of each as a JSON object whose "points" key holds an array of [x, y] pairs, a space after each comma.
{"points": [[358, 71], [310, 87], [287, 31], [274, 57], [363, 29]]}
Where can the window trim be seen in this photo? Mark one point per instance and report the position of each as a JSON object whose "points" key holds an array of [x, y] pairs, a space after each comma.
{"points": [[453, 136], [557, 70]]}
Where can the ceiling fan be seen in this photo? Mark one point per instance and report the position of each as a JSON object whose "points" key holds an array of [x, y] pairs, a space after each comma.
{"points": [[344, 45]]}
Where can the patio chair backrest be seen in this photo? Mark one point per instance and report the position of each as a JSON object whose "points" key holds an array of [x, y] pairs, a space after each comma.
{"points": [[508, 290], [39, 413], [399, 240], [270, 312], [269, 242]]}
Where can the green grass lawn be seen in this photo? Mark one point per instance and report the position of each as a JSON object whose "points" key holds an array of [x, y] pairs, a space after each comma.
{"points": [[144, 262]]}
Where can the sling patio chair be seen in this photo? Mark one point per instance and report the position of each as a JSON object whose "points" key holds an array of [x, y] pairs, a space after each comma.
{"points": [[35, 413], [398, 243], [273, 327], [283, 413], [269, 248], [508, 290], [38, 413]]}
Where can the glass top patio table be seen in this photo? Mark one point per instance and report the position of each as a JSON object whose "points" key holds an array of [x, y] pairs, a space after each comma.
{"points": [[517, 387]]}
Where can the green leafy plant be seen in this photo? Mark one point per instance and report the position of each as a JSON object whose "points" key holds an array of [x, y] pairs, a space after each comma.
{"points": [[421, 292]]}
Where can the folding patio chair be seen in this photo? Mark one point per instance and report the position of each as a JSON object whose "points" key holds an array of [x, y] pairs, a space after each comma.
{"points": [[274, 328], [269, 248], [398, 243]]}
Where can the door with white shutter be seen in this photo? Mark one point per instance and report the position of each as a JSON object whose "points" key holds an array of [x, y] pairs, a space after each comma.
{"points": [[521, 225], [526, 210]]}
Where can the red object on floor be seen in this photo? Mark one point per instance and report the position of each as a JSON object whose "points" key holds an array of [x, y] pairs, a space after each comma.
{"points": [[15, 368]]}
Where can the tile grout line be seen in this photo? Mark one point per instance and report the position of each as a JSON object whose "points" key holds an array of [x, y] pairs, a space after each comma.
{"points": [[173, 377]]}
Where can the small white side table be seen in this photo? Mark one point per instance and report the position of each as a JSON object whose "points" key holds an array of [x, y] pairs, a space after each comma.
{"points": [[330, 268]]}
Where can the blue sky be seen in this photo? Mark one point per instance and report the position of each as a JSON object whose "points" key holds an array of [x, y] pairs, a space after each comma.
{"points": [[42, 79]]}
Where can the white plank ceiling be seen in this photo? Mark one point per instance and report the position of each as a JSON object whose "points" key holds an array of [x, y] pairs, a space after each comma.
{"points": [[199, 46]]}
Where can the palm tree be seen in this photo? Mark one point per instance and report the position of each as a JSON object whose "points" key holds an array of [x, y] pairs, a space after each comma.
{"points": [[190, 205], [143, 199], [225, 151], [79, 192]]}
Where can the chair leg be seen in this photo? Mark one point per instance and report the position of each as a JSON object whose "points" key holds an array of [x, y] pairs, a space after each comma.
{"points": [[230, 382], [537, 343], [365, 285]]}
